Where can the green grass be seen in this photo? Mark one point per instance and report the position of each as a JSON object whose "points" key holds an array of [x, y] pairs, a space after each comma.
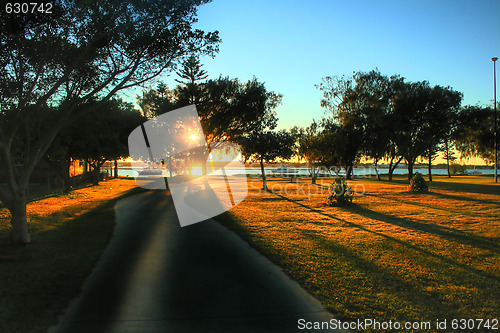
{"points": [[69, 233], [392, 255]]}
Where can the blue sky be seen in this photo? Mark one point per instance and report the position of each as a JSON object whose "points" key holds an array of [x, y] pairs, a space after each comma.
{"points": [[292, 45]]}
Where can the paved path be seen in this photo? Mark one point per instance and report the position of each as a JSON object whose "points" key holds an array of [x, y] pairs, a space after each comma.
{"points": [[158, 277]]}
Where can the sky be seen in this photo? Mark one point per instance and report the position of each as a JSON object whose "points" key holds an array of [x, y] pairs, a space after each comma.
{"points": [[291, 45]]}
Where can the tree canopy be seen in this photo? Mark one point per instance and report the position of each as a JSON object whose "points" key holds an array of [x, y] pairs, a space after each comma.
{"points": [[54, 66]]}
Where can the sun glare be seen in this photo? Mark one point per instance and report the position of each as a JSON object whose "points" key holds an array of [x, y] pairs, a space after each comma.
{"points": [[193, 137]]}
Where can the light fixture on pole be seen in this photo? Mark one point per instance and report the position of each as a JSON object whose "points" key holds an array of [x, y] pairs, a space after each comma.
{"points": [[495, 108]]}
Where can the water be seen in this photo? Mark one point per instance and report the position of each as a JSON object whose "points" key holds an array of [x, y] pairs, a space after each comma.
{"points": [[304, 172]]}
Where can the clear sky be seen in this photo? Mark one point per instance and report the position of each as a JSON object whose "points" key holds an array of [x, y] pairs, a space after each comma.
{"points": [[291, 45]]}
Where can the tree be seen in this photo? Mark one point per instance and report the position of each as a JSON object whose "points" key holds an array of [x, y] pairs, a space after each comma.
{"points": [[474, 134], [73, 61], [191, 71], [424, 117], [95, 138], [267, 146], [310, 146], [359, 105], [154, 100], [228, 109], [443, 107], [343, 143], [449, 154]]}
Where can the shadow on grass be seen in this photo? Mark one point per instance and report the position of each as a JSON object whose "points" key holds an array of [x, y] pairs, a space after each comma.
{"points": [[423, 205], [463, 198], [406, 244], [50, 270], [438, 230], [394, 286], [467, 187]]}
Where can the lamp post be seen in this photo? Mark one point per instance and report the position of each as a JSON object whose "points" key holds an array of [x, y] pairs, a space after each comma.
{"points": [[495, 108]]}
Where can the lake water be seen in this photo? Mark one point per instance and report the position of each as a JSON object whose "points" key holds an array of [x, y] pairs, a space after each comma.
{"points": [[304, 172]]}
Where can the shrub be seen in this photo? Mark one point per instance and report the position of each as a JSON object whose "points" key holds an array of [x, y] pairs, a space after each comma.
{"points": [[418, 184], [458, 169], [339, 193]]}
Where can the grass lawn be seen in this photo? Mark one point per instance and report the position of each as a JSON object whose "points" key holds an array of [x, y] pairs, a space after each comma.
{"points": [[392, 255], [68, 233]]}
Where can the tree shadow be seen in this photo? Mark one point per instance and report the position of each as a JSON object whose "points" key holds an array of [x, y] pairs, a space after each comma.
{"points": [[419, 204], [467, 187], [394, 284], [460, 198], [484, 243], [401, 242]]}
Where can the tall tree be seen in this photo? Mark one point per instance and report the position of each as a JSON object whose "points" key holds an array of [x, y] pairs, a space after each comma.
{"points": [[73, 61], [267, 146], [359, 105], [190, 89], [443, 107], [228, 109], [96, 138], [424, 117], [191, 71], [310, 146]]}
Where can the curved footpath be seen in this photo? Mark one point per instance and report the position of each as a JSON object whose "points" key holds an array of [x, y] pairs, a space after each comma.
{"points": [[155, 276]]}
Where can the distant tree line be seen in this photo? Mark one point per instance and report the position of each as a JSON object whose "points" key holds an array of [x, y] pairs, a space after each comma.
{"points": [[387, 118]]}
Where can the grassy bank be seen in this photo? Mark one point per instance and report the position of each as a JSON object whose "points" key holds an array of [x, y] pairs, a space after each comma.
{"points": [[69, 233], [392, 255]]}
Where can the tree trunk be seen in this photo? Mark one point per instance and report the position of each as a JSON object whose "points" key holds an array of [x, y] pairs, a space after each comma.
{"points": [[348, 172], [391, 169], [410, 169], [116, 168], [19, 222], [66, 177], [375, 163], [313, 174], [376, 168], [85, 167], [447, 152], [264, 181], [430, 166], [448, 167]]}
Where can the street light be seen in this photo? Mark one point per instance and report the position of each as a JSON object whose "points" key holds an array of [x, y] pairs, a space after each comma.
{"points": [[495, 108]]}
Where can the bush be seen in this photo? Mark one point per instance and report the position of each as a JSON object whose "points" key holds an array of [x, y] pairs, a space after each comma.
{"points": [[339, 193], [418, 184], [458, 169]]}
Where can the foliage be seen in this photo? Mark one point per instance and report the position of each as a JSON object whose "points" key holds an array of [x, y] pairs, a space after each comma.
{"points": [[311, 146], [227, 108], [339, 193], [97, 137], [56, 66], [418, 184], [191, 71], [267, 146], [474, 134], [458, 169], [360, 123], [423, 115]]}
